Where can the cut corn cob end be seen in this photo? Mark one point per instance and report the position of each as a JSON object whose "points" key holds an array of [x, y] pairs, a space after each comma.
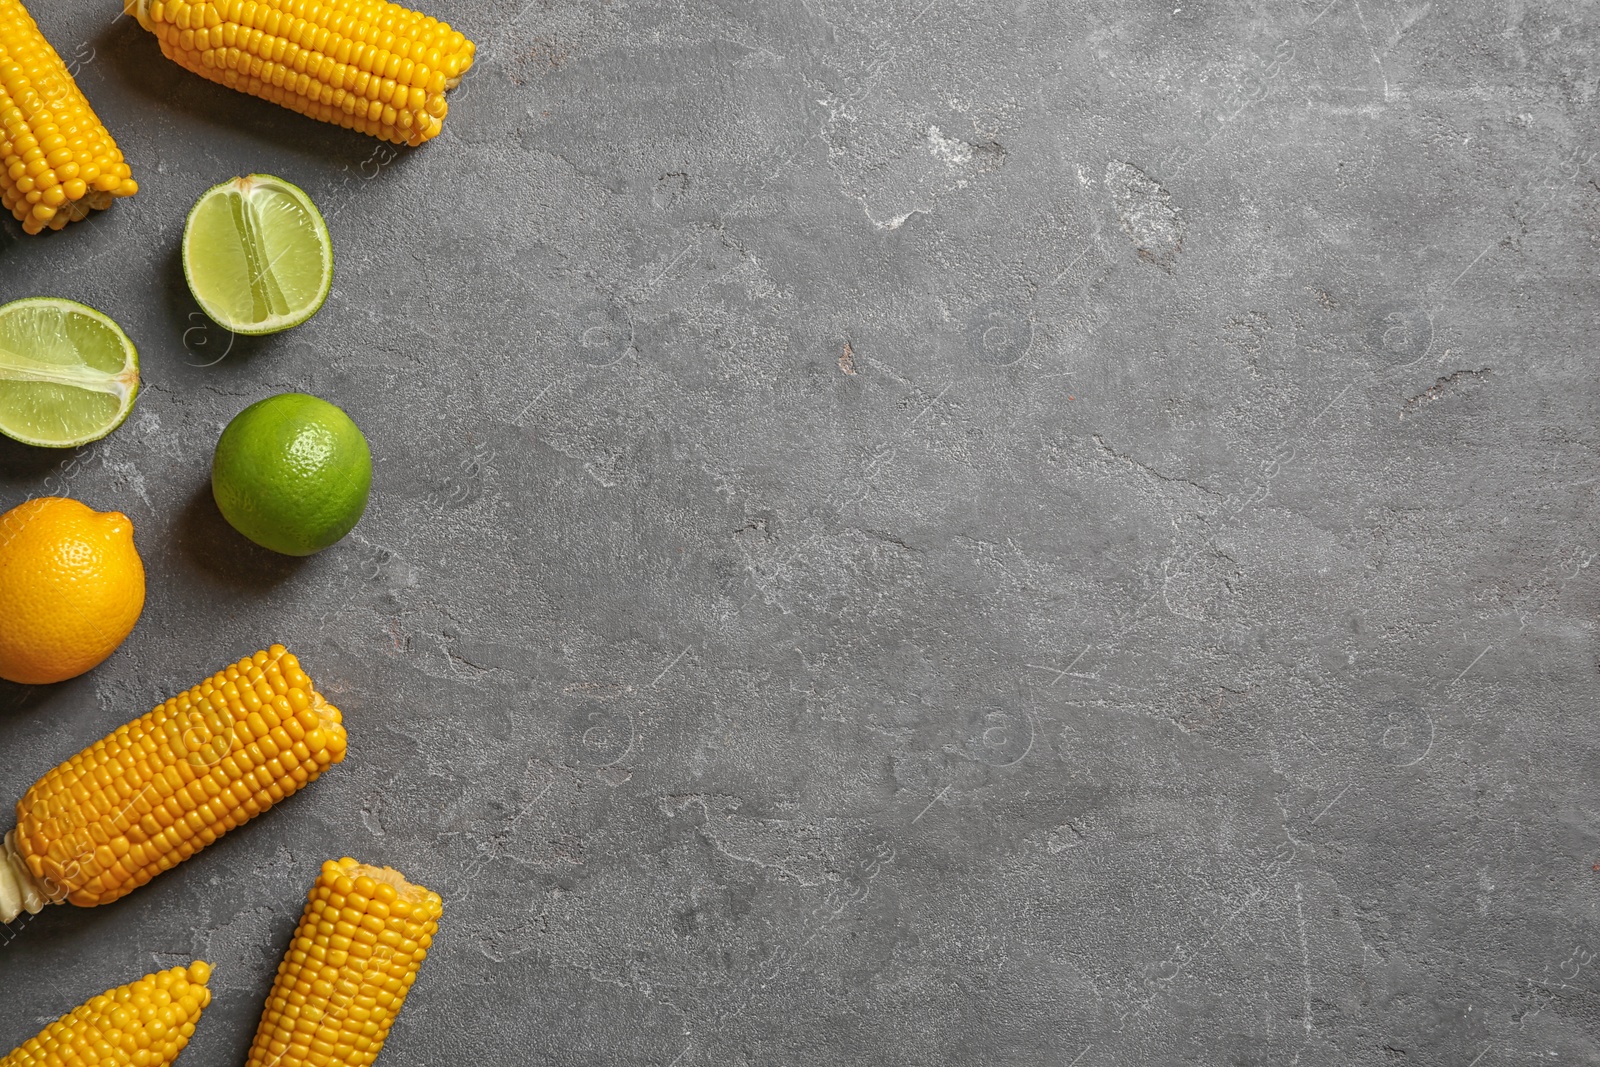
{"points": [[366, 65], [20, 891], [57, 162], [362, 937], [167, 784], [142, 1024]]}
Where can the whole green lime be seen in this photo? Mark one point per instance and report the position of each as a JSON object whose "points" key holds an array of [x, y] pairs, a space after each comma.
{"points": [[292, 473]]}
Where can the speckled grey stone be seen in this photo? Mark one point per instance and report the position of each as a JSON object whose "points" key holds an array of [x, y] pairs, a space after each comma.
{"points": [[904, 533]]}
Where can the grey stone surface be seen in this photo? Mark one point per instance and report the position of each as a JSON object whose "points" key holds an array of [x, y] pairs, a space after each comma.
{"points": [[905, 532]]}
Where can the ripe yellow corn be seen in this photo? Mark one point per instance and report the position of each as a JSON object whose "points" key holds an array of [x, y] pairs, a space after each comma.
{"points": [[142, 1024], [367, 65], [363, 934], [59, 161], [168, 784]]}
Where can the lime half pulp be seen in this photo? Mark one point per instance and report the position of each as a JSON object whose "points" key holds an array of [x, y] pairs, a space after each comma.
{"points": [[256, 255], [68, 374]]}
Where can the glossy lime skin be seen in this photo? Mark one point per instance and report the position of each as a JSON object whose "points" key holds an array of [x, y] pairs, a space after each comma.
{"points": [[292, 473]]}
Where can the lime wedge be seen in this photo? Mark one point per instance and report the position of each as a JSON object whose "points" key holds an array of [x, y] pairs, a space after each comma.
{"points": [[256, 255], [68, 374]]}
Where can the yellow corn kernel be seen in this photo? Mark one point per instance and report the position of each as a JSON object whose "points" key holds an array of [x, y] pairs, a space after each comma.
{"points": [[364, 933], [147, 1023], [166, 785], [300, 53], [47, 127]]}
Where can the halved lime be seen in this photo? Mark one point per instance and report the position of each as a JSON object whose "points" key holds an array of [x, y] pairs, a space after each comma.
{"points": [[68, 374], [256, 255]]}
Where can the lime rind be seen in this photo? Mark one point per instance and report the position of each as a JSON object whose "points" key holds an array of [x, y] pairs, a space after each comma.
{"points": [[257, 255], [293, 473], [69, 374]]}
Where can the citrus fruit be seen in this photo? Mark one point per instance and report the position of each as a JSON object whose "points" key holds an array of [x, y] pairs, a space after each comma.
{"points": [[68, 374], [292, 473], [71, 588], [256, 255]]}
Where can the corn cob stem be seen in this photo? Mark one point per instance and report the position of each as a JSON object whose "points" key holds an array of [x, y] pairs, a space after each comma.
{"points": [[362, 937], [367, 65], [19, 890], [166, 785], [57, 162], [142, 1024]]}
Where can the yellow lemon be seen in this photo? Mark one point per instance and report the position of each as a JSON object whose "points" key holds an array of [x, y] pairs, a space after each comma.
{"points": [[71, 588]]}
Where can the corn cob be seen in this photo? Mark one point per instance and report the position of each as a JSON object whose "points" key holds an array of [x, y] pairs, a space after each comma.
{"points": [[163, 787], [367, 65], [364, 933], [142, 1024], [59, 161]]}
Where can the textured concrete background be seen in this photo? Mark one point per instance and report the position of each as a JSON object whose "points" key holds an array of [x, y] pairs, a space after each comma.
{"points": [[908, 532]]}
